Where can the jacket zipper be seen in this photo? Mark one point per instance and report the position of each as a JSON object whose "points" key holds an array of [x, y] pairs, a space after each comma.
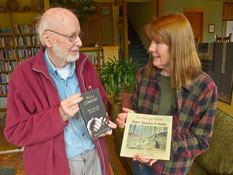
{"points": [[45, 76], [81, 73], [53, 85]]}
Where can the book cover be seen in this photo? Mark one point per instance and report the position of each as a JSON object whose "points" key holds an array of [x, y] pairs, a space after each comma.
{"points": [[94, 113], [148, 136]]}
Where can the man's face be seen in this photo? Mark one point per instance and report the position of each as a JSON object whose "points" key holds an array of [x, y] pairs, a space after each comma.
{"points": [[63, 53], [66, 41]]}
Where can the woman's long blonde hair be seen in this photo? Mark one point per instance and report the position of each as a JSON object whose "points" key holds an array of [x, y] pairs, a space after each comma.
{"points": [[175, 31]]}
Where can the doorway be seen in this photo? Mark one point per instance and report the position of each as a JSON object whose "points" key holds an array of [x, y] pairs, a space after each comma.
{"points": [[196, 19]]}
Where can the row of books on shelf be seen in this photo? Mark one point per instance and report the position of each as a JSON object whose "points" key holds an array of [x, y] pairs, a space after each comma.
{"points": [[6, 31], [27, 52], [7, 53], [21, 53], [6, 41], [5, 77], [28, 40], [7, 65], [3, 89], [24, 28], [3, 102]]}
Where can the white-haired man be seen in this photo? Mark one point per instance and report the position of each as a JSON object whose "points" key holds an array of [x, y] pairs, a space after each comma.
{"points": [[44, 92]]}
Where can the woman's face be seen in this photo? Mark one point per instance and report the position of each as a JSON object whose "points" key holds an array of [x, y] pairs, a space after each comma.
{"points": [[161, 56]]}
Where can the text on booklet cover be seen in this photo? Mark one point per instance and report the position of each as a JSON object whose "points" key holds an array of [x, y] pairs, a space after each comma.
{"points": [[94, 114]]}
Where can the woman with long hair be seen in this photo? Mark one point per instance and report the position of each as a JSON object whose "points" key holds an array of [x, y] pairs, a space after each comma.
{"points": [[173, 83]]}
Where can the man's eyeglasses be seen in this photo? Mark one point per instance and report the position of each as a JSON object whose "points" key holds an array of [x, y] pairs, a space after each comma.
{"points": [[71, 38]]}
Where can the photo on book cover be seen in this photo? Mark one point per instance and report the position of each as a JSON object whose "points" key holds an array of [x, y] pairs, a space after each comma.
{"points": [[148, 136], [94, 114]]}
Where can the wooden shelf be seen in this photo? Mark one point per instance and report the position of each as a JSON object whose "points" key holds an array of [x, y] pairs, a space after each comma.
{"points": [[6, 34], [12, 12], [8, 59], [2, 109], [6, 83], [23, 58], [83, 49], [8, 47], [24, 34], [6, 71], [27, 46]]}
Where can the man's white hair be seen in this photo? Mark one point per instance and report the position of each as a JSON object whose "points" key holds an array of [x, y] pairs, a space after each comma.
{"points": [[41, 26]]}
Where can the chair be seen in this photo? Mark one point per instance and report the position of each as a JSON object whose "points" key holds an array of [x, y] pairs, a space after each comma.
{"points": [[223, 39], [228, 38], [218, 38]]}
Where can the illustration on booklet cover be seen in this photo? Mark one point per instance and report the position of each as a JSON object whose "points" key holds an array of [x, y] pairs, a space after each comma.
{"points": [[148, 136]]}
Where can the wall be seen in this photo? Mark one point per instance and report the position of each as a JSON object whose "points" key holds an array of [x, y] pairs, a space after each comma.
{"points": [[115, 13], [22, 3], [6, 18], [20, 18], [139, 13], [147, 9], [213, 13]]}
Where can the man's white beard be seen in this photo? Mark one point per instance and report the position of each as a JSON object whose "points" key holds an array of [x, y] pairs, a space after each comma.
{"points": [[61, 55]]}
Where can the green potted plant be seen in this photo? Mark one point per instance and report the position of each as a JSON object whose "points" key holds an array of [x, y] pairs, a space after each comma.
{"points": [[118, 76]]}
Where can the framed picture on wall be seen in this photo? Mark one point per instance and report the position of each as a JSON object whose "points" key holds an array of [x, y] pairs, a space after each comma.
{"points": [[211, 28]]}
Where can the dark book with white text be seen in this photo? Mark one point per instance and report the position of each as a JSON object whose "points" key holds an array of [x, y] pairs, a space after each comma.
{"points": [[94, 114]]}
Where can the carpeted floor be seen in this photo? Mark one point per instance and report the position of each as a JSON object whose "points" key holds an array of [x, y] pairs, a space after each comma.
{"points": [[4, 145], [2, 119], [11, 164]]}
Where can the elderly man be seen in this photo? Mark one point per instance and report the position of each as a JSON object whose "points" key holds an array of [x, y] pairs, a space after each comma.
{"points": [[44, 92]]}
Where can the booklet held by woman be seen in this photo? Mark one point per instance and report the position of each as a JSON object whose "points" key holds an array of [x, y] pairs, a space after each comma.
{"points": [[94, 114], [148, 136]]}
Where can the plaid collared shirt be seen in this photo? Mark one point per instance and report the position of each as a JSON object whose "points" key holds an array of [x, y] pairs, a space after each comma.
{"points": [[193, 114]]}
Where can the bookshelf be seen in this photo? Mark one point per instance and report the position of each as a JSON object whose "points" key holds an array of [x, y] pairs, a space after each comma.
{"points": [[18, 41], [100, 55]]}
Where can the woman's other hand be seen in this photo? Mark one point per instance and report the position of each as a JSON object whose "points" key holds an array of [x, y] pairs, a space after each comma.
{"points": [[121, 117]]}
